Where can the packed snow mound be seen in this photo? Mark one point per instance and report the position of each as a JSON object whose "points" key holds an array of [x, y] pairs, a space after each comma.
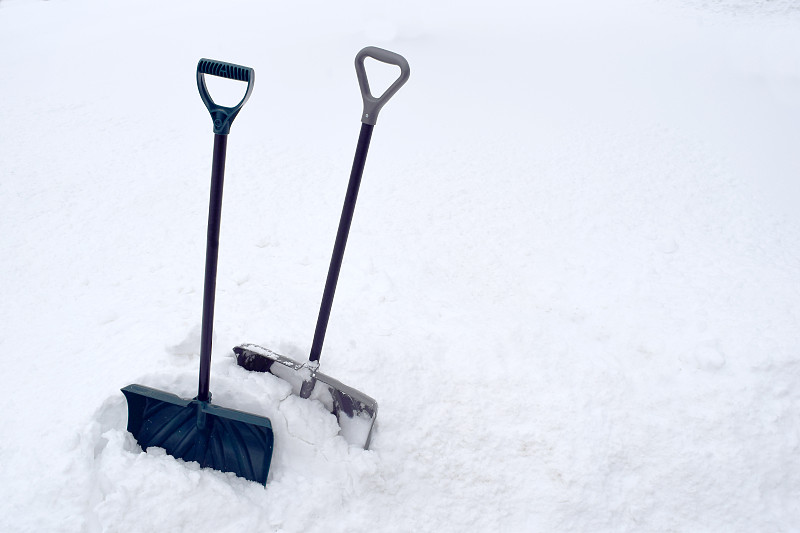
{"points": [[309, 458]]}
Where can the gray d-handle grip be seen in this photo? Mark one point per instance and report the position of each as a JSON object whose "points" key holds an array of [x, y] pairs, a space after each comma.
{"points": [[223, 116], [372, 105]]}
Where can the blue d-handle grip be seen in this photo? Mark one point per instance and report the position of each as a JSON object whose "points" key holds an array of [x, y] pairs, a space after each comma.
{"points": [[373, 105], [221, 115]]}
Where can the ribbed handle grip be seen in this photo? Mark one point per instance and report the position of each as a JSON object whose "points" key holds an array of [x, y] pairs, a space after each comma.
{"points": [[223, 116], [225, 70]]}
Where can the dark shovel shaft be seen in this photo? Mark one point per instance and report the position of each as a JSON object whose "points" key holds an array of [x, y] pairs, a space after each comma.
{"points": [[341, 240], [212, 254]]}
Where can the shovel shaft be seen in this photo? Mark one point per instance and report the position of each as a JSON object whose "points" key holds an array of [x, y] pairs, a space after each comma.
{"points": [[341, 240], [212, 253]]}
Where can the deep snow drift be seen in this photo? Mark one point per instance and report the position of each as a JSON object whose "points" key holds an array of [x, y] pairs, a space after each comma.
{"points": [[571, 283]]}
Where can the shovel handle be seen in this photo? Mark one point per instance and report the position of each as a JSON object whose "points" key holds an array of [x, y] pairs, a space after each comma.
{"points": [[373, 105], [221, 115]]}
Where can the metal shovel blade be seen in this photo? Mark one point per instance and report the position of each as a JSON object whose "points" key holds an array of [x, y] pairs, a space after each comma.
{"points": [[355, 411], [192, 430]]}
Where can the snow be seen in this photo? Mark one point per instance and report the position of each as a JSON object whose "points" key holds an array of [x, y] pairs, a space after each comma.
{"points": [[571, 282]]}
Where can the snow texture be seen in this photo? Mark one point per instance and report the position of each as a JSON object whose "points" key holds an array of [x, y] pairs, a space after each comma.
{"points": [[572, 281]]}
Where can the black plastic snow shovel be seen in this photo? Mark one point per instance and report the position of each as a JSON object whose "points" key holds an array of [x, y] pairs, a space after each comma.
{"points": [[195, 430], [355, 411]]}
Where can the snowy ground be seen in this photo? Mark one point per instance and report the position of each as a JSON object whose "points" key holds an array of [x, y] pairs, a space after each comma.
{"points": [[572, 283]]}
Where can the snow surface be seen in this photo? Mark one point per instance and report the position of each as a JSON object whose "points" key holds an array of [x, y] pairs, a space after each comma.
{"points": [[571, 282]]}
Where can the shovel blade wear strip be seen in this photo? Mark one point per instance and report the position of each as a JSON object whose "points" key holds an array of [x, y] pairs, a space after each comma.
{"points": [[355, 411], [196, 430]]}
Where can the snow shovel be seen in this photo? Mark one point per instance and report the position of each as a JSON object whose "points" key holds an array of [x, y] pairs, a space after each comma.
{"points": [[196, 430], [355, 411]]}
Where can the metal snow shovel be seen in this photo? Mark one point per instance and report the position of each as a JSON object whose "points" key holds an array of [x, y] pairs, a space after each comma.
{"points": [[195, 430], [355, 411]]}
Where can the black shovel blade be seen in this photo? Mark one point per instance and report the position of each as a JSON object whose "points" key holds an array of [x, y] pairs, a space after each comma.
{"points": [[355, 411], [216, 437]]}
